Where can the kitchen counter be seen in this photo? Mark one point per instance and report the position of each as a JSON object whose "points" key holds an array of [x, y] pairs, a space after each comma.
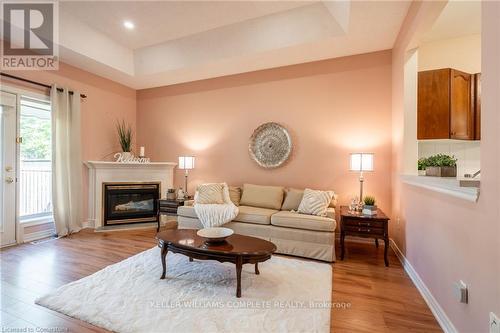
{"points": [[448, 186]]}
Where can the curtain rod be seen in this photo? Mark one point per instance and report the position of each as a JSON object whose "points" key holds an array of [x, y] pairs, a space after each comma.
{"points": [[37, 83]]}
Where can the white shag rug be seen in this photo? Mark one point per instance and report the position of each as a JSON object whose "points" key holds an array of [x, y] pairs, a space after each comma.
{"points": [[289, 295]]}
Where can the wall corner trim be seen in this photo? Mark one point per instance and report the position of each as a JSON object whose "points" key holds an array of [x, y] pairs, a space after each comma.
{"points": [[433, 304]]}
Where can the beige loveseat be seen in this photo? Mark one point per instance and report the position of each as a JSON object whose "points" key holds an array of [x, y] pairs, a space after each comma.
{"points": [[265, 212]]}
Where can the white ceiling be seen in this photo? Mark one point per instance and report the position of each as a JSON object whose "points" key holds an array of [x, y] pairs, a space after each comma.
{"points": [[181, 41], [160, 21], [458, 18]]}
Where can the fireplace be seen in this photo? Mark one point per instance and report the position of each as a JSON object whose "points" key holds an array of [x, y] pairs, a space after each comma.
{"points": [[125, 203]]}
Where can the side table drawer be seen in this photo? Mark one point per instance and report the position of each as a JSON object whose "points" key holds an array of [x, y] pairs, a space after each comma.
{"points": [[168, 209], [364, 230], [170, 205], [360, 223]]}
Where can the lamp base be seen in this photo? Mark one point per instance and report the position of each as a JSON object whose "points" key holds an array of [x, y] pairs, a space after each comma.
{"points": [[186, 184], [361, 180]]}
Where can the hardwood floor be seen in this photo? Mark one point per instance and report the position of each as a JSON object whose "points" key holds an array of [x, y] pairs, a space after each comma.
{"points": [[382, 299], [379, 299]]}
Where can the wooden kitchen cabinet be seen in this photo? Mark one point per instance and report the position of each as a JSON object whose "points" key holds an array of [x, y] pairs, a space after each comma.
{"points": [[433, 104], [477, 104], [446, 105], [462, 121]]}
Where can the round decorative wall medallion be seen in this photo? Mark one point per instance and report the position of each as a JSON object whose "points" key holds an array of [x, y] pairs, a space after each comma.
{"points": [[270, 145]]}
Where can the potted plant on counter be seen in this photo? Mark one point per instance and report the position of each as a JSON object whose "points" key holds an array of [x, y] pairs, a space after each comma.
{"points": [[441, 165], [369, 207], [421, 166]]}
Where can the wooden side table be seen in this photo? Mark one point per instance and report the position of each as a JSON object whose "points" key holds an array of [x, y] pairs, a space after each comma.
{"points": [[168, 207], [359, 225]]}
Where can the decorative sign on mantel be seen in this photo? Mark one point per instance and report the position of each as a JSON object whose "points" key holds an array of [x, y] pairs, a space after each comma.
{"points": [[127, 157]]}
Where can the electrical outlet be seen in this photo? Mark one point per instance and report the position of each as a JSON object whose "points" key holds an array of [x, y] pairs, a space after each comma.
{"points": [[494, 323]]}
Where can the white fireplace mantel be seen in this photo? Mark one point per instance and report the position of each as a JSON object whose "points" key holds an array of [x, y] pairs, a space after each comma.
{"points": [[105, 172], [119, 165]]}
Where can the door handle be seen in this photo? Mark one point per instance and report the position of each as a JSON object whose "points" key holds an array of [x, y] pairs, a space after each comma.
{"points": [[8, 168], [9, 180]]}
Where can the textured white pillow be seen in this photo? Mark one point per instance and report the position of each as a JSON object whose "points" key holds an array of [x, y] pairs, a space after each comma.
{"points": [[226, 194], [210, 193], [315, 202]]}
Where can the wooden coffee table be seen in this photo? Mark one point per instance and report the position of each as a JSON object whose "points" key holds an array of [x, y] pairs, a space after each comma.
{"points": [[237, 249]]}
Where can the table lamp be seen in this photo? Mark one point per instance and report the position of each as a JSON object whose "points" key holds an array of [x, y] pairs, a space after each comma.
{"points": [[186, 163], [361, 162]]}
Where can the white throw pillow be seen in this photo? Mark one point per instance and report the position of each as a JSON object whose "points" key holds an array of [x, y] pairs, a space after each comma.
{"points": [[226, 194], [315, 202], [210, 193]]}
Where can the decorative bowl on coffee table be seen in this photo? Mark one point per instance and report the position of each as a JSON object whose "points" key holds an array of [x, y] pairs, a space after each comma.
{"points": [[214, 235]]}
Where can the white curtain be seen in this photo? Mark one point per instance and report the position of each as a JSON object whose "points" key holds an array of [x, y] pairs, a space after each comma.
{"points": [[66, 161]]}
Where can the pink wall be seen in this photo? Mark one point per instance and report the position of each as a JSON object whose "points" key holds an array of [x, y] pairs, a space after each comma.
{"points": [[447, 239], [331, 108], [106, 102]]}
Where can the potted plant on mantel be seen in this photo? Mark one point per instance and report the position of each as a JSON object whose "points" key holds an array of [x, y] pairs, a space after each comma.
{"points": [[369, 207], [440, 165], [125, 137]]}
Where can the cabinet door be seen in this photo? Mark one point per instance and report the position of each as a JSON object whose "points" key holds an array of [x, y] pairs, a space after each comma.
{"points": [[461, 106], [433, 104], [477, 104]]}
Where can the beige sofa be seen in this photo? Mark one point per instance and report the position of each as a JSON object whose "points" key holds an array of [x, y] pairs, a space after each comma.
{"points": [[265, 212]]}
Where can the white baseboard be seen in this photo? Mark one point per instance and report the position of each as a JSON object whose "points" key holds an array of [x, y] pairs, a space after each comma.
{"points": [[33, 236], [88, 224], [436, 309]]}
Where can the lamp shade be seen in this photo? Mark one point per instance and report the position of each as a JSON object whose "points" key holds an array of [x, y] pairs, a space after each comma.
{"points": [[361, 162], [186, 162]]}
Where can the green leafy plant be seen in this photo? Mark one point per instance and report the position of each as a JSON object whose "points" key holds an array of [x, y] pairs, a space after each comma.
{"points": [[369, 200], [422, 163], [440, 160], [124, 135]]}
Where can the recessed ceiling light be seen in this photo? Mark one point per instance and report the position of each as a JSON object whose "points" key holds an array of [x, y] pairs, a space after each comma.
{"points": [[129, 25]]}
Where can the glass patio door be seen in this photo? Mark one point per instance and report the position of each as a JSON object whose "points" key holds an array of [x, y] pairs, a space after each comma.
{"points": [[35, 160], [8, 120]]}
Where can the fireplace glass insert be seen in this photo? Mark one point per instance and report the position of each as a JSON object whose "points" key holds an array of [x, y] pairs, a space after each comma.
{"points": [[130, 203]]}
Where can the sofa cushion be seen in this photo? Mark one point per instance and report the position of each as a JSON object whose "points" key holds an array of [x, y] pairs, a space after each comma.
{"points": [[246, 214], [254, 215], [262, 196], [293, 194], [210, 194], [302, 221], [315, 202], [187, 211], [333, 203], [293, 197], [235, 194]]}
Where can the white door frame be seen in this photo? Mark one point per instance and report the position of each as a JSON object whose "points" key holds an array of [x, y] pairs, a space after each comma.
{"points": [[29, 93], [9, 176]]}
